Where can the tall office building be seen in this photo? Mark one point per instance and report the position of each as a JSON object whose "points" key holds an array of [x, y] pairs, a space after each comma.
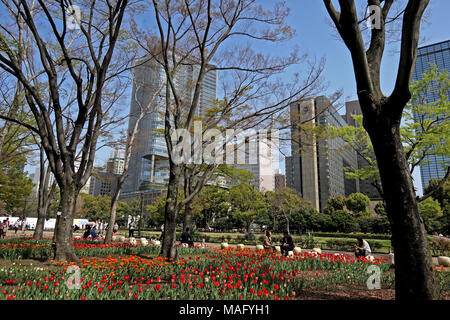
{"points": [[280, 180], [439, 54], [262, 164], [365, 186], [103, 184], [149, 158], [315, 168], [116, 161]]}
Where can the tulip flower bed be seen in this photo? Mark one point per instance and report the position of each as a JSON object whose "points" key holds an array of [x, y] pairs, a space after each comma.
{"points": [[200, 274], [21, 248]]}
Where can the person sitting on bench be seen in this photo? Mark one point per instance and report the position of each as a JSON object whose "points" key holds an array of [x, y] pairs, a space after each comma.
{"points": [[288, 243], [187, 238]]}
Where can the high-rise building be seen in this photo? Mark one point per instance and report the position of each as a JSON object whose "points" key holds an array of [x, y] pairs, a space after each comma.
{"points": [[315, 168], [103, 184], [366, 186], [439, 54], [149, 157], [260, 162], [280, 181], [116, 161]]}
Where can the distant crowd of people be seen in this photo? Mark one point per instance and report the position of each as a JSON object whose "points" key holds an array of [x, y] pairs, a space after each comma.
{"points": [[5, 225], [97, 229]]}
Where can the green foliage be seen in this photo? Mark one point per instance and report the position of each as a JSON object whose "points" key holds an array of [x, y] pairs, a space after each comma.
{"points": [[441, 194], [94, 208], [211, 204], [99, 207], [430, 208], [425, 130], [431, 211], [156, 211], [15, 186], [285, 207], [344, 222], [247, 203], [380, 209], [337, 202], [357, 203]]}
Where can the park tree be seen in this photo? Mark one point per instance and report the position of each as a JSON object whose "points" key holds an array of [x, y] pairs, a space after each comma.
{"points": [[15, 186], [441, 192], [72, 58], [358, 203], [247, 204], [211, 204], [94, 208], [382, 116], [46, 194], [431, 211], [343, 221], [202, 35], [337, 202], [282, 205], [156, 211]]}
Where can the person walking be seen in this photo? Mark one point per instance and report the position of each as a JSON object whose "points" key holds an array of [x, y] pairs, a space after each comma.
{"points": [[131, 228], [5, 227], [115, 228], [16, 226], [2, 227], [24, 225]]}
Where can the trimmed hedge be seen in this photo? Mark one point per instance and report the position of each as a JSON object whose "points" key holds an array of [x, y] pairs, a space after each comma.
{"points": [[352, 235]]}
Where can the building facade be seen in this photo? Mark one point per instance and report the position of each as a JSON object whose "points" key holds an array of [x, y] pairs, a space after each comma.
{"points": [[259, 160], [315, 168], [149, 157], [433, 167], [280, 181], [103, 184], [366, 186], [116, 161]]}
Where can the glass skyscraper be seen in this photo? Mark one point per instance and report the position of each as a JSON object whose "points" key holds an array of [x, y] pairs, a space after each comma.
{"points": [[439, 54], [149, 157]]}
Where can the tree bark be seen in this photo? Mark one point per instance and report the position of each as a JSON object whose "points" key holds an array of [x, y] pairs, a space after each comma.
{"points": [[63, 236], [44, 197], [414, 278], [168, 248], [187, 216], [113, 211]]}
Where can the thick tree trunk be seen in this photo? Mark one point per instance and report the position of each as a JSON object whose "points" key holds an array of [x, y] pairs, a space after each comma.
{"points": [[187, 216], [113, 211], [168, 248], [63, 237], [112, 221], [44, 198], [414, 278]]}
